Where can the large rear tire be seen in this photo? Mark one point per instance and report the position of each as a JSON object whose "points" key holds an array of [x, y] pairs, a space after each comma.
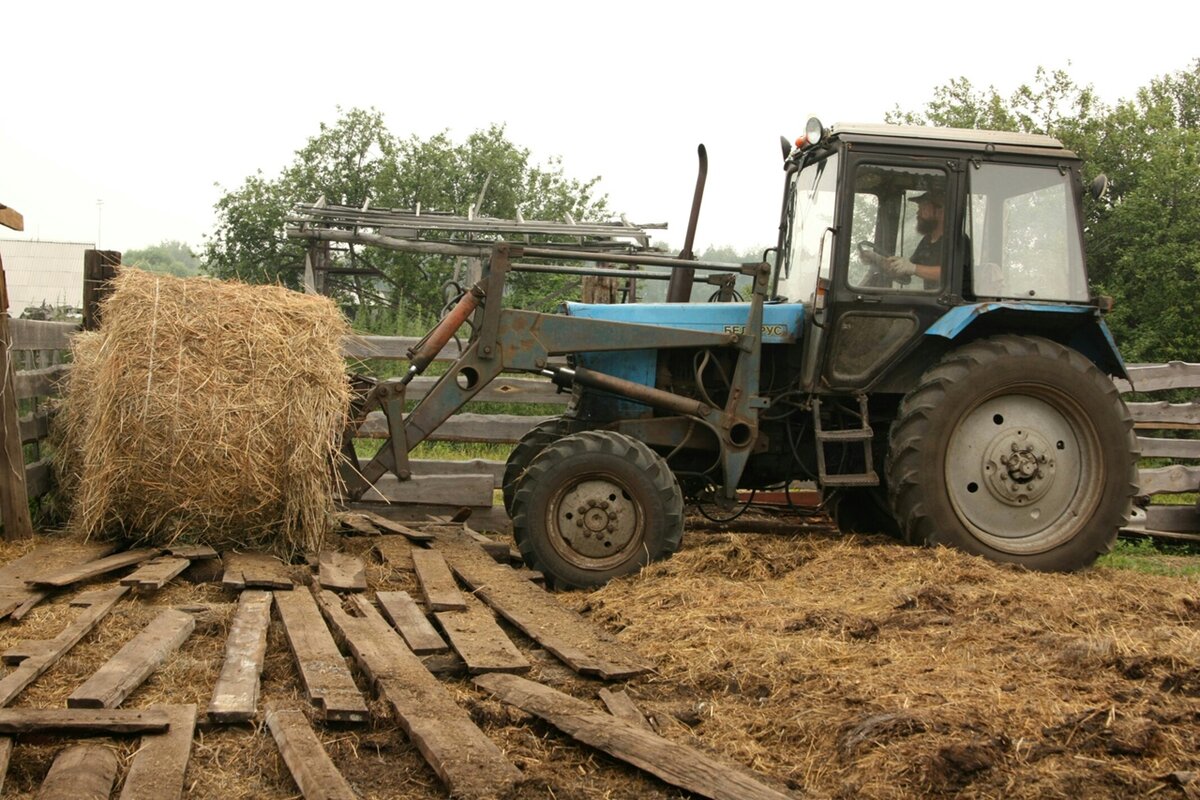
{"points": [[1014, 448], [594, 506]]}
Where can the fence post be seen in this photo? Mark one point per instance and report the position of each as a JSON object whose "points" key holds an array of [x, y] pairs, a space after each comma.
{"points": [[99, 267], [14, 502]]}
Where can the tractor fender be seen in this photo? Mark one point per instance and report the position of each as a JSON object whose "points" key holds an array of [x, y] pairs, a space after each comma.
{"points": [[1079, 327]]}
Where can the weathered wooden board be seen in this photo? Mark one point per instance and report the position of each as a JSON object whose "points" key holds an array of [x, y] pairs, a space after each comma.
{"points": [[154, 574], [45, 558], [78, 721], [81, 772], [311, 767], [396, 551], [33, 334], [341, 571], [578, 643], [159, 765], [454, 490], [192, 552], [383, 523], [437, 584], [1175, 478], [501, 390], [40, 382], [504, 428], [1149, 416], [480, 642], [1169, 448], [408, 618], [235, 698], [1156, 377], [135, 662], [322, 669], [474, 466], [94, 569], [677, 764], [469, 763], [621, 706], [358, 522], [6, 745], [35, 657], [255, 571]]}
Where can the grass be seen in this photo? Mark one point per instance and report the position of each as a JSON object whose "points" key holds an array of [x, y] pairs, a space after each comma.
{"points": [[1154, 557]]}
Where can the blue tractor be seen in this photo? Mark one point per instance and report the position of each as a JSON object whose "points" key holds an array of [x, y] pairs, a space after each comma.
{"points": [[921, 343]]}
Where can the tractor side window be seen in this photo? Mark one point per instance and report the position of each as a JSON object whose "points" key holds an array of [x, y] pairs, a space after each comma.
{"points": [[1025, 231], [897, 234]]}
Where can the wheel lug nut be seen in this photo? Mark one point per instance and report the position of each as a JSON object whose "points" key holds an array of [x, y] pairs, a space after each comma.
{"points": [[611, 528], [604, 504], [579, 523], [582, 509], [612, 515]]}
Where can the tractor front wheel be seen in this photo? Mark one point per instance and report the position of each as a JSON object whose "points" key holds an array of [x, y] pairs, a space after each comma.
{"points": [[527, 449], [1014, 448], [594, 506]]}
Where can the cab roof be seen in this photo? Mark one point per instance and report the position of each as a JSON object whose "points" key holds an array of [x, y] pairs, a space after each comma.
{"points": [[957, 138]]}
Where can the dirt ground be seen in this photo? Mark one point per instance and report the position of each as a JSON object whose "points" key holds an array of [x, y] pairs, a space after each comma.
{"points": [[833, 666]]}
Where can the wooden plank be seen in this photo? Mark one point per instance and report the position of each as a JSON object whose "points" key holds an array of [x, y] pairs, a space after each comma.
{"points": [[501, 390], [34, 658], [506, 428], [1169, 448], [81, 772], [6, 744], [39, 478], [94, 569], [1156, 377], [323, 671], [475, 466], [135, 662], [14, 502], [1173, 519], [454, 490], [160, 763], [621, 706], [255, 570], [83, 721], [408, 618], [235, 698], [391, 526], [15, 592], [580, 644], [192, 552], [437, 584], [677, 764], [43, 382], [358, 523], [480, 642], [1164, 480], [34, 427], [311, 767], [154, 574], [11, 218], [341, 571], [467, 762], [1164, 415], [34, 334]]}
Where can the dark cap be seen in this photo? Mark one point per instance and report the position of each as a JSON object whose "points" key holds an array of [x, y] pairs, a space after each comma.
{"points": [[935, 196]]}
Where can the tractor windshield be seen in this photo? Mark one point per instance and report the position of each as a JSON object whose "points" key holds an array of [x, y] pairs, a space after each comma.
{"points": [[809, 246]]}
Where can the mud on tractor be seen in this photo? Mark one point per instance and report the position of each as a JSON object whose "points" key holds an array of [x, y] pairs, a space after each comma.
{"points": [[921, 343]]}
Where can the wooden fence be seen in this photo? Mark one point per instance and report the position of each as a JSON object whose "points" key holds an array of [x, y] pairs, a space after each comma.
{"points": [[1163, 430]]}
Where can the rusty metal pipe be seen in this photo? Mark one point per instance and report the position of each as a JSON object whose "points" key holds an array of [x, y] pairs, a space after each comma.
{"points": [[655, 398], [428, 348], [680, 288]]}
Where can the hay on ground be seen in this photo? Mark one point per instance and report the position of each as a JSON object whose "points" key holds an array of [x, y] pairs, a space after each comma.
{"points": [[205, 411]]}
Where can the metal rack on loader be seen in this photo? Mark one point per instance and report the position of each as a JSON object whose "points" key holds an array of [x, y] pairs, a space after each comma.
{"points": [[921, 343]]}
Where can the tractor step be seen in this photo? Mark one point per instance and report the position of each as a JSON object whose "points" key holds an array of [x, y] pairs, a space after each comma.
{"points": [[863, 434]]}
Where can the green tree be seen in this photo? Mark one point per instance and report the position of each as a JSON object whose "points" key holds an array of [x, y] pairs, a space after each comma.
{"points": [[170, 257], [357, 160]]}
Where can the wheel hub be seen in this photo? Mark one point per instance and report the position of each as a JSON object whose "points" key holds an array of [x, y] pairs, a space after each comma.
{"points": [[596, 519], [1019, 466]]}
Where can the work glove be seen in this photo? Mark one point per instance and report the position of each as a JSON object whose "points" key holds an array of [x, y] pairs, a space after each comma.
{"points": [[900, 267]]}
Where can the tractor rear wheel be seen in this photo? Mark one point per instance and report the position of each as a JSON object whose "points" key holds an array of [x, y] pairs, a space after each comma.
{"points": [[594, 506], [527, 449], [1014, 448]]}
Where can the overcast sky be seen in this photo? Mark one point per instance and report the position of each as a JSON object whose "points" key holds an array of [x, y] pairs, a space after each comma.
{"points": [[148, 107]]}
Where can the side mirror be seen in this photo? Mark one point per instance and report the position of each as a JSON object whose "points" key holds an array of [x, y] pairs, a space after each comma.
{"points": [[1099, 187], [786, 146]]}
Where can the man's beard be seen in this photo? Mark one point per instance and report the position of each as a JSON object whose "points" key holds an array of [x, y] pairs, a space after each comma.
{"points": [[925, 225]]}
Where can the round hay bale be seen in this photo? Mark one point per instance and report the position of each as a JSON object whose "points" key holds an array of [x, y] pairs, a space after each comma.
{"points": [[205, 411]]}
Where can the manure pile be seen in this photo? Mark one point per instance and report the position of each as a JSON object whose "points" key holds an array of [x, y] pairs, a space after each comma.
{"points": [[205, 411]]}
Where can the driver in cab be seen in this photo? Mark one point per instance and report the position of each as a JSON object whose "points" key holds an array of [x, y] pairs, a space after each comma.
{"points": [[925, 261]]}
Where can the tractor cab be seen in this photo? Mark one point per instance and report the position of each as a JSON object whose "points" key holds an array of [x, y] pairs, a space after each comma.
{"points": [[888, 228]]}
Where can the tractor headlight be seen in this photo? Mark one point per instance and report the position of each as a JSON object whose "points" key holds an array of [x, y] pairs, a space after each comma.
{"points": [[814, 131]]}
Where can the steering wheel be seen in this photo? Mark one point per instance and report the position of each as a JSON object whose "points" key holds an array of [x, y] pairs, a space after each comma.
{"points": [[874, 260]]}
